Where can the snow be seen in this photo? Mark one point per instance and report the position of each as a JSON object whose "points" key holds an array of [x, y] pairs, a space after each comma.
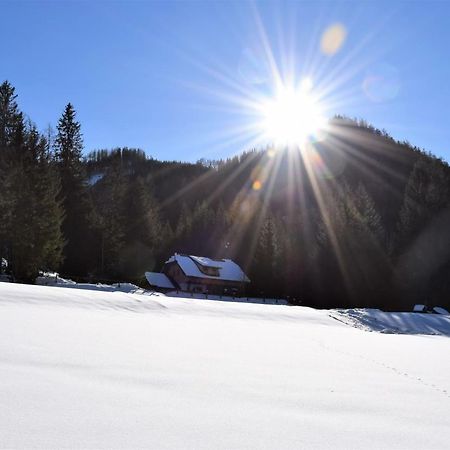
{"points": [[420, 308], [53, 279], [94, 179], [440, 310], [207, 262], [404, 323], [435, 309], [159, 280], [95, 369], [228, 269]]}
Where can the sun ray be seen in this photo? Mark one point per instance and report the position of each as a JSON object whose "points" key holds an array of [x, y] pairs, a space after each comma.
{"points": [[326, 218], [289, 110]]}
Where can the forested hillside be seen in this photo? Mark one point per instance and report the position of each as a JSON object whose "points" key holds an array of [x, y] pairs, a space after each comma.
{"points": [[353, 219]]}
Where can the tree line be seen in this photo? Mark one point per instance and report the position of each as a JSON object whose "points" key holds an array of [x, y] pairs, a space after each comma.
{"points": [[355, 220]]}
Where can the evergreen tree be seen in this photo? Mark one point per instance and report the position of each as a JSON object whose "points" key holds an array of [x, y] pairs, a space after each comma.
{"points": [[426, 194], [352, 255], [36, 234], [69, 142], [77, 224], [146, 239], [266, 262], [48, 207], [15, 187], [423, 240], [10, 118], [110, 212]]}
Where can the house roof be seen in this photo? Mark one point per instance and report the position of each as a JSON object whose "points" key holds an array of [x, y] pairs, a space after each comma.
{"points": [[228, 269], [159, 280], [207, 262]]}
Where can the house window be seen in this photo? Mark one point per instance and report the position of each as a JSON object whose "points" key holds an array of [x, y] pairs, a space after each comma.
{"points": [[211, 271]]}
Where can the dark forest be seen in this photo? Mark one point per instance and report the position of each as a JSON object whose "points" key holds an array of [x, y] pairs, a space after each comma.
{"points": [[356, 219]]}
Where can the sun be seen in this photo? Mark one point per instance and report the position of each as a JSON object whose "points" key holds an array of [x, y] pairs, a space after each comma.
{"points": [[292, 116]]}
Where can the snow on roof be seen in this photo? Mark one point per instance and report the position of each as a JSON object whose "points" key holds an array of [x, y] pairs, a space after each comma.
{"points": [[207, 262], [228, 269], [159, 280], [420, 308], [439, 310]]}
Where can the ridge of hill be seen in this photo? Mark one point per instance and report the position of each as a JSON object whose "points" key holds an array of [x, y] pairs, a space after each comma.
{"points": [[350, 209]]}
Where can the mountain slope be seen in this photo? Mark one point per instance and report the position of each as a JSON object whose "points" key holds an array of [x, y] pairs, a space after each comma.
{"points": [[91, 369]]}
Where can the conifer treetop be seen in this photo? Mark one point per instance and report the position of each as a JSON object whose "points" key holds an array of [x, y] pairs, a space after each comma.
{"points": [[69, 140]]}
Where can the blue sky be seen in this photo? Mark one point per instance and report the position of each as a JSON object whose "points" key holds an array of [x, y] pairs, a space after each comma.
{"points": [[174, 78]]}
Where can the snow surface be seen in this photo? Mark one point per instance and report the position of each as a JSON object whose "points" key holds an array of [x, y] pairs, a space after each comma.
{"points": [[93, 369], [389, 322], [53, 279]]}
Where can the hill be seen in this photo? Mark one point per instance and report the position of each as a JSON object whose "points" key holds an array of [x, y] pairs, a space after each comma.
{"points": [[93, 369], [351, 219], [355, 219]]}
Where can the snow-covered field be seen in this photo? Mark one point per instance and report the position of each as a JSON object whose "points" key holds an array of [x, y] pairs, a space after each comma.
{"points": [[94, 369], [398, 323]]}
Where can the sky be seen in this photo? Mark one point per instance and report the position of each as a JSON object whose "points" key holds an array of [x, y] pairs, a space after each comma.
{"points": [[181, 79]]}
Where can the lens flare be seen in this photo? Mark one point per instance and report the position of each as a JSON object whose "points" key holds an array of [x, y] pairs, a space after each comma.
{"points": [[333, 39], [382, 83], [257, 185]]}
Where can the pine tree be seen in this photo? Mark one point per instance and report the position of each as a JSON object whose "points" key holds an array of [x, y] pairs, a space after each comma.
{"points": [[33, 231], [146, 239], [12, 176], [48, 207], [77, 224], [69, 141], [426, 194], [352, 255], [265, 264], [423, 241], [9, 117], [110, 200], [369, 267], [362, 213], [184, 229]]}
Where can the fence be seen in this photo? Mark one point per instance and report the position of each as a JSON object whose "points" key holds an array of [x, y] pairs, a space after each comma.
{"points": [[225, 298]]}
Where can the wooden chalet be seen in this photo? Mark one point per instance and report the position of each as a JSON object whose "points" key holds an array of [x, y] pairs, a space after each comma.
{"points": [[199, 274]]}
